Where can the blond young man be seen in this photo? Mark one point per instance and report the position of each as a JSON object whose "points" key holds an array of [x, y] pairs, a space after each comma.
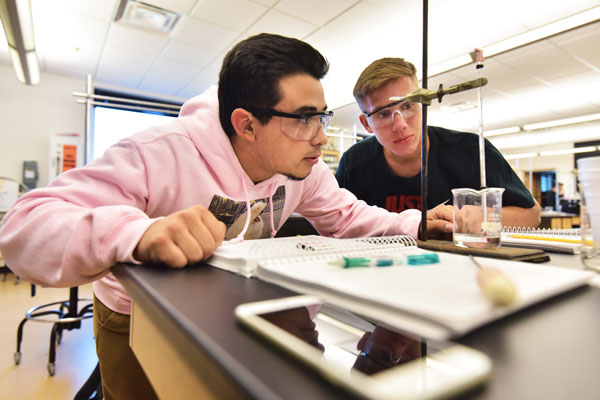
{"points": [[385, 169]]}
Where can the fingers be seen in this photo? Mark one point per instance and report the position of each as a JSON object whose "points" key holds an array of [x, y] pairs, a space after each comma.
{"points": [[436, 225], [182, 238], [439, 219], [441, 212]]}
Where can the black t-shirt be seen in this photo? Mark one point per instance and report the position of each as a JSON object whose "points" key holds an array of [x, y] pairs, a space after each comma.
{"points": [[453, 163]]}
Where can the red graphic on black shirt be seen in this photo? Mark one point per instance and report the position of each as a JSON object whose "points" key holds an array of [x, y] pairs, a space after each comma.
{"points": [[399, 203]]}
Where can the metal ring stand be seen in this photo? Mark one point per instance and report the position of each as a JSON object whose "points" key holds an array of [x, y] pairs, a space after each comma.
{"points": [[68, 318]]}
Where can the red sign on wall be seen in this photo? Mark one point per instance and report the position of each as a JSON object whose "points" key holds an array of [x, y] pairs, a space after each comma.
{"points": [[69, 157]]}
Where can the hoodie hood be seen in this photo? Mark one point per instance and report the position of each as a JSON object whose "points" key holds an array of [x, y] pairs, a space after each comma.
{"points": [[200, 117]]}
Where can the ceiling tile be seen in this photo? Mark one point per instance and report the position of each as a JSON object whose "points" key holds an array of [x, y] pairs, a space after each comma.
{"points": [[72, 9], [73, 33], [533, 60], [123, 67], [563, 64], [188, 54], [314, 11], [77, 59], [363, 33], [267, 3], [236, 15], [577, 91], [502, 77], [330, 44], [282, 24], [453, 29], [135, 39], [401, 6], [577, 43], [196, 32], [168, 77], [535, 13], [200, 83]]}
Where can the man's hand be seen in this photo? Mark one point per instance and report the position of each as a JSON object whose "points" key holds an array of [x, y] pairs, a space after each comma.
{"points": [[182, 238], [439, 220]]}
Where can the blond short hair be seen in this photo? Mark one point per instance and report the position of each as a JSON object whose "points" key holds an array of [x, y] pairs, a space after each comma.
{"points": [[380, 73]]}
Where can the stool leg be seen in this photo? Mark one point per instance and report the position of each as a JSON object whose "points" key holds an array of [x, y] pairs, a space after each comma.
{"points": [[17, 355], [52, 352]]}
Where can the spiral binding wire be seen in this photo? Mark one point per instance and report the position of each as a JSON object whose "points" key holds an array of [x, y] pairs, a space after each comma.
{"points": [[542, 231], [399, 239]]}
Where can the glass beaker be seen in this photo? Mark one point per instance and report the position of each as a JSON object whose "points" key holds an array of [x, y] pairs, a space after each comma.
{"points": [[588, 174], [477, 217], [590, 233]]}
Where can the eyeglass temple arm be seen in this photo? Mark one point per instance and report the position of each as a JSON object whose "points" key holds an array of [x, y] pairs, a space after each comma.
{"points": [[424, 96]]}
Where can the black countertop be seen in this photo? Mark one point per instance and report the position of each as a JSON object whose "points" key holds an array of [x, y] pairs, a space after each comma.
{"points": [[548, 351]]}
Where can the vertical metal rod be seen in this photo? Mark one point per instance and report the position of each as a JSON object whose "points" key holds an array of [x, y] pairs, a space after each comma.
{"points": [[87, 137], [424, 135], [483, 182], [481, 137]]}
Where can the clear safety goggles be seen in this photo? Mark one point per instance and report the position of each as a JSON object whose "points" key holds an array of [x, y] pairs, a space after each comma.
{"points": [[298, 126], [385, 115]]}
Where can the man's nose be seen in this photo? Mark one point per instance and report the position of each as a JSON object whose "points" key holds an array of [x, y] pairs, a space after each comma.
{"points": [[398, 119], [320, 139]]}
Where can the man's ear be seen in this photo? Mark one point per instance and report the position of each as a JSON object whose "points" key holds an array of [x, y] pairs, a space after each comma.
{"points": [[243, 122], [365, 123]]}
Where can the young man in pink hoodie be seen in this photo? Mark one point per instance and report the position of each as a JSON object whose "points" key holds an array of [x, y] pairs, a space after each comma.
{"points": [[241, 157]]}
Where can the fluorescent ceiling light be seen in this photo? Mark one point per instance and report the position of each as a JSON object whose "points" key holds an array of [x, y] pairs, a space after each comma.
{"points": [[522, 155], [561, 122], [146, 16], [569, 151], [503, 131], [531, 36], [18, 27]]}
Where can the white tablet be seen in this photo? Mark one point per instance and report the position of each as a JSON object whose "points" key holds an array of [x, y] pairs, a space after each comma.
{"points": [[367, 358]]}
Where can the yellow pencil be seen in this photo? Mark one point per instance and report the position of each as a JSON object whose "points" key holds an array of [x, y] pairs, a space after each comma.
{"points": [[549, 238]]}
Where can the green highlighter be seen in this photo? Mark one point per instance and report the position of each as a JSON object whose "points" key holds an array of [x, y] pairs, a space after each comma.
{"points": [[418, 259], [354, 262], [421, 259]]}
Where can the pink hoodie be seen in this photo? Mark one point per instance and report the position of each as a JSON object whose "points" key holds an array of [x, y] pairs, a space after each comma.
{"points": [[90, 218]]}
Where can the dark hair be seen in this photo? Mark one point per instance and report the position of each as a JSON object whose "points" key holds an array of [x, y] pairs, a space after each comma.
{"points": [[252, 69]]}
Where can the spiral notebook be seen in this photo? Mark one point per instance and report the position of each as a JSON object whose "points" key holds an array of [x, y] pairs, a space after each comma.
{"points": [[439, 300], [243, 258], [552, 240]]}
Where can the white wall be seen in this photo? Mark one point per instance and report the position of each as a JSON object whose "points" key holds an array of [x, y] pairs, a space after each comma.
{"points": [[30, 114]]}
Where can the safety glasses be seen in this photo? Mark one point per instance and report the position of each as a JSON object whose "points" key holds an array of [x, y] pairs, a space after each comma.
{"points": [[298, 126], [385, 115]]}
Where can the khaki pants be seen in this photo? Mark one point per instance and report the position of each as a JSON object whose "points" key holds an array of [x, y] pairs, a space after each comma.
{"points": [[122, 375]]}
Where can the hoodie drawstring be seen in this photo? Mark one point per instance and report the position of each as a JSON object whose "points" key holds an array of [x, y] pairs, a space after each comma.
{"points": [[240, 238], [271, 211]]}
